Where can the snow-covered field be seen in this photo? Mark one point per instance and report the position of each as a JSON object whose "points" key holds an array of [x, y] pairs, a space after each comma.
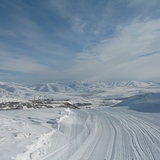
{"points": [[126, 129]]}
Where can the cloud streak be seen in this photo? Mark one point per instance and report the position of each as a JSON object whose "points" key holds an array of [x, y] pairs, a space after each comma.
{"points": [[125, 56], [22, 64]]}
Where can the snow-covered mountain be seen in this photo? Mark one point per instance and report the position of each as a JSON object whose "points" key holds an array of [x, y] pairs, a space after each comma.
{"points": [[16, 91], [90, 86], [53, 87]]}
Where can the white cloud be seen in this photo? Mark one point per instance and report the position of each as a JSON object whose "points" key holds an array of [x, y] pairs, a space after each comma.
{"points": [[122, 57], [78, 24], [12, 62]]}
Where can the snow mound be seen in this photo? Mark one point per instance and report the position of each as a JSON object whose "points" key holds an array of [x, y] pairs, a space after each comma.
{"points": [[149, 102]]}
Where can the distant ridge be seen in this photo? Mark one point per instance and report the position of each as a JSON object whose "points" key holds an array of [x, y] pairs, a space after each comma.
{"points": [[16, 91], [88, 86]]}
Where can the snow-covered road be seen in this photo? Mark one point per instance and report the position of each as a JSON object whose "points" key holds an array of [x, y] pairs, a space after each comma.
{"points": [[97, 133], [107, 134]]}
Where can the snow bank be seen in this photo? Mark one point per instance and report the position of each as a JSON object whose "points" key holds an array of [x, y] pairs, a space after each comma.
{"points": [[149, 102], [27, 134], [37, 149]]}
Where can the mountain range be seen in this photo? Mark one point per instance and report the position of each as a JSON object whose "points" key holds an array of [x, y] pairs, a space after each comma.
{"points": [[15, 91]]}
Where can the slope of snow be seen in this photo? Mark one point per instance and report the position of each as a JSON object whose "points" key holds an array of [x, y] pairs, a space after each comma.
{"points": [[53, 87], [14, 92], [149, 102]]}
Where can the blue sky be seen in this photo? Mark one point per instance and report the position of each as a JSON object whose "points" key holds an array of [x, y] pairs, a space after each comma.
{"points": [[71, 40]]}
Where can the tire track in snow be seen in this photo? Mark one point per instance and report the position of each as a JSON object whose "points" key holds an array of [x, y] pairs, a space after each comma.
{"points": [[142, 138], [114, 150], [131, 138], [114, 138], [100, 142], [147, 136], [85, 151]]}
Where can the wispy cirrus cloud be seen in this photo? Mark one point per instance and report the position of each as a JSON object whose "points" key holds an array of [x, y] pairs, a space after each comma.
{"points": [[123, 56], [25, 69], [13, 62]]}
